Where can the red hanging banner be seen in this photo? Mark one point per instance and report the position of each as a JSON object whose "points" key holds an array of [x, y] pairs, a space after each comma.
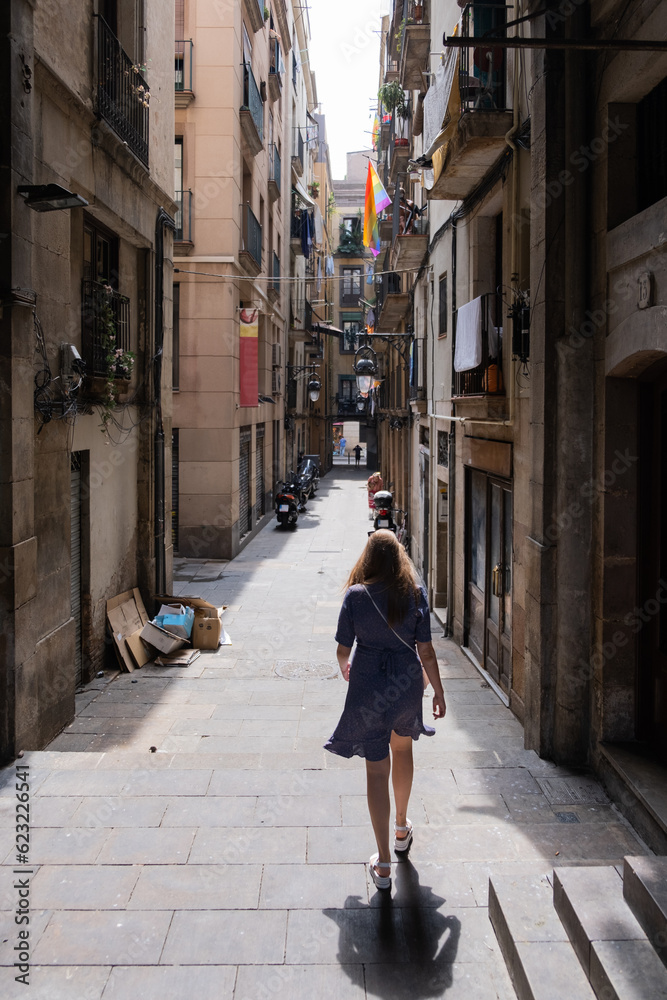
{"points": [[249, 358]]}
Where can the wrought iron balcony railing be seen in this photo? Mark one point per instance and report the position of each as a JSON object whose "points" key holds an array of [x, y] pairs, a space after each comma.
{"points": [[251, 235], [275, 282], [183, 65], [94, 328], [183, 219], [487, 378], [252, 100], [122, 93], [297, 149], [482, 71], [274, 165]]}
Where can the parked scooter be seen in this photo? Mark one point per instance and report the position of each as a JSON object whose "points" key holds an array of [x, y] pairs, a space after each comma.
{"points": [[383, 517], [309, 476], [287, 506]]}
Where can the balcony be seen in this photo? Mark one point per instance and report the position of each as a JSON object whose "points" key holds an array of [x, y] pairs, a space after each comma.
{"points": [[274, 172], [251, 113], [415, 46], [183, 220], [479, 138], [298, 153], [485, 342], [95, 298], [250, 255], [255, 12], [280, 14], [399, 145], [183, 94], [122, 93], [392, 304], [274, 284], [391, 72], [408, 248], [276, 69]]}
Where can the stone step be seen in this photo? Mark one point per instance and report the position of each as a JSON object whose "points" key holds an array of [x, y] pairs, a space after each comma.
{"points": [[615, 953], [645, 892], [537, 952]]}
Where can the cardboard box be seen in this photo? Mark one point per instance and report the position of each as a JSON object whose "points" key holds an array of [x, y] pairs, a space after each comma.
{"points": [[177, 620], [206, 632], [126, 617], [160, 639]]}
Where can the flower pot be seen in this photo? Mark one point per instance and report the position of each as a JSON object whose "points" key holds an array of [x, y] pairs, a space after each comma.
{"points": [[401, 142]]}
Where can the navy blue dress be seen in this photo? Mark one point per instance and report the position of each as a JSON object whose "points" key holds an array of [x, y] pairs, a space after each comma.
{"points": [[386, 685]]}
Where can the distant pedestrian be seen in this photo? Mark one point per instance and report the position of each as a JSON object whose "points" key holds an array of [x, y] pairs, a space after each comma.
{"points": [[357, 454], [341, 445], [386, 611]]}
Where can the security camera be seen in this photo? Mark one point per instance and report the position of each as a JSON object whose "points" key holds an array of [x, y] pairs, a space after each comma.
{"points": [[72, 360]]}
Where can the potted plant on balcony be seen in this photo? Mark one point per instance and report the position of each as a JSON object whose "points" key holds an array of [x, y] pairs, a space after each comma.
{"points": [[392, 97], [119, 364], [314, 189]]}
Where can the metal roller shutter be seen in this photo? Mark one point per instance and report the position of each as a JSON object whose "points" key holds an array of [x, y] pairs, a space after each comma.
{"points": [[75, 558], [244, 483], [174, 489], [259, 470]]}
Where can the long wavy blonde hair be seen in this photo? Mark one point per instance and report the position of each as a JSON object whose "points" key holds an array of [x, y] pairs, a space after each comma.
{"points": [[384, 560]]}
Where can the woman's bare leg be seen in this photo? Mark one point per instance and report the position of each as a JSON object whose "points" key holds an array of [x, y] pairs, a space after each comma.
{"points": [[402, 770], [379, 806]]}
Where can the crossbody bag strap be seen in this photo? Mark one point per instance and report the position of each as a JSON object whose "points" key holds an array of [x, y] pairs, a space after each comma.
{"points": [[411, 648]]}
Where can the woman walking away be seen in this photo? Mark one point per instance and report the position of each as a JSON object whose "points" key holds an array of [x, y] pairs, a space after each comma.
{"points": [[386, 612]]}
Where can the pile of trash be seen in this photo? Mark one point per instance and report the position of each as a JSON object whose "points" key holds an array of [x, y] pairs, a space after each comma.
{"points": [[174, 637]]}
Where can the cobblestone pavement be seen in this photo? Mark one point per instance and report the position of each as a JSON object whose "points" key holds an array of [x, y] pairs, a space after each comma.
{"points": [[230, 862]]}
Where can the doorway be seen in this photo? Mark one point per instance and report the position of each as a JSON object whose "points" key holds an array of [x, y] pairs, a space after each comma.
{"points": [[488, 613], [652, 576]]}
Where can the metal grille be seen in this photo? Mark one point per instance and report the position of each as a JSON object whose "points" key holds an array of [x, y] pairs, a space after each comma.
{"points": [[122, 92], [174, 489], [244, 484], [252, 100], [96, 301], [75, 559], [259, 471]]}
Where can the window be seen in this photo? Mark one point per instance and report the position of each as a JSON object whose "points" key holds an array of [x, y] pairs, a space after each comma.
{"points": [[350, 340], [352, 225], [178, 165], [350, 289], [442, 306], [652, 147], [346, 383], [176, 336], [100, 293]]}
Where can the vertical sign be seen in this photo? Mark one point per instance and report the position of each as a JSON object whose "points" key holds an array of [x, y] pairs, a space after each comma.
{"points": [[249, 358]]}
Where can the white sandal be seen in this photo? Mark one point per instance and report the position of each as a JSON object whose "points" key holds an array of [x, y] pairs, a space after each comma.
{"points": [[404, 843], [381, 881]]}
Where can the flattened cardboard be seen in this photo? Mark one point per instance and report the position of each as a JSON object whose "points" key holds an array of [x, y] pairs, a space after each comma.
{"points": [[125, 615], [182, 658], [138, 649]]}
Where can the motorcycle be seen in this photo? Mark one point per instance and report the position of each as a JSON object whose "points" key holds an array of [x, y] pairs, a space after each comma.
{"points": [[383, 504], [286, 506], [309, 476]]}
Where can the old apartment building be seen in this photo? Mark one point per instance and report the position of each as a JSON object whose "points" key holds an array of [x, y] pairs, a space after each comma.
{"points": [[535, 307], [87, 218]]}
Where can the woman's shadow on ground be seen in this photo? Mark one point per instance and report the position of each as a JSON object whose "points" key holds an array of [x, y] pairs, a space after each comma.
{"points": [[406, 945]]}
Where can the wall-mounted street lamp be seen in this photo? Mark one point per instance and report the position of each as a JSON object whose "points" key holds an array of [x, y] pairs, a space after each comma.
{"points": [[50, 197], [365, 368], [314, 385]]}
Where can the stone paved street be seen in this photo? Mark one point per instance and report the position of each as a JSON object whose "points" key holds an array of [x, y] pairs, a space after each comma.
{"points": [[230, 863]]}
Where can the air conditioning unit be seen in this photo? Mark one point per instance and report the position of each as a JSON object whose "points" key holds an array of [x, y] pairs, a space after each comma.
{"points": [[276, 350], [275, 379]]}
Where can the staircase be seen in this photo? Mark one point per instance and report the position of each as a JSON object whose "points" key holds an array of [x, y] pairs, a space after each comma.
{"points": [[587, 933]]}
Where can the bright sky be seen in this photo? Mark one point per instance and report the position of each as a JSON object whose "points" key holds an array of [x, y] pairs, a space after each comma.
{"points": [[345, 54]]}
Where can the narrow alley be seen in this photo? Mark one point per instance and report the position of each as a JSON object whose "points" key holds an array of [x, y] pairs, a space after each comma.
{"points": [[190, 836]]}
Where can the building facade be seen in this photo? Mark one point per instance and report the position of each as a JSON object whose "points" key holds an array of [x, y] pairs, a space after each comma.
{"points": [[537, 380], [86, 320]]}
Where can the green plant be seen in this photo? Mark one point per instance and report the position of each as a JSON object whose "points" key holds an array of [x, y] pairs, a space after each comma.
{"points": [[314, 189], [392, 97], [331, 204], [267, 13], [399, 36], [119, 364]]}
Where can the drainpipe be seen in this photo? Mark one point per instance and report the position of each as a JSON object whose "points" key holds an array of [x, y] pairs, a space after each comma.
{"points": [[163, 220], [514, 235]]}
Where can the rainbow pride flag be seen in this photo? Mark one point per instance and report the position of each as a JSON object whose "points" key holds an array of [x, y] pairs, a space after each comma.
{"points": [[376, 200]]}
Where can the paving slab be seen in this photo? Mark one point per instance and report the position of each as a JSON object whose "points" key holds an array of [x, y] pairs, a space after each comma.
{"points": [[232, 861]]}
